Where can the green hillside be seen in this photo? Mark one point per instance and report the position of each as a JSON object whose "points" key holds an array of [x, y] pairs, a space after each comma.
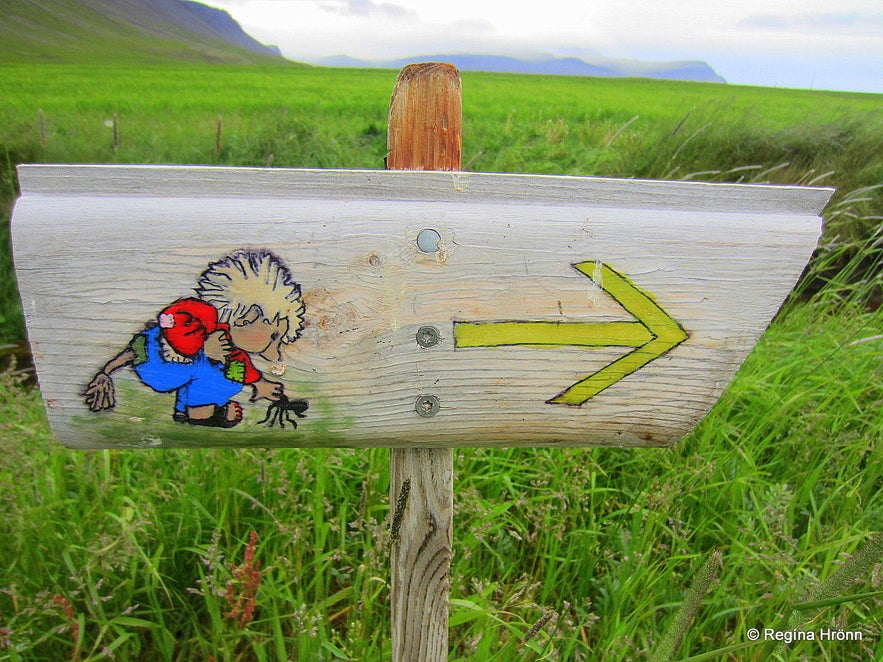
{"points": [[124, 31]]}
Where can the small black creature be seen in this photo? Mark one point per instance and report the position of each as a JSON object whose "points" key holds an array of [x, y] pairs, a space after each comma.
{"points": [[282, 409]]}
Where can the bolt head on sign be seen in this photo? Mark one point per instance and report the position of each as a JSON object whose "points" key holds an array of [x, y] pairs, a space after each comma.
{"points": [[191, 306]]}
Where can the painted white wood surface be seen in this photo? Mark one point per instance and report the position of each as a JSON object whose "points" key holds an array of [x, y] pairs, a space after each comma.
{"points": [[100, 250]]}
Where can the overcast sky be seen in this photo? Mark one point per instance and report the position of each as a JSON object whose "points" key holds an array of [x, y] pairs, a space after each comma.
{"points": [[815, 44]]}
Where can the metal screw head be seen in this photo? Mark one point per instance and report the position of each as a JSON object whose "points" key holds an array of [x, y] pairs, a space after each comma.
{"points": [[427, 240], [427, 336], [427, 405]]}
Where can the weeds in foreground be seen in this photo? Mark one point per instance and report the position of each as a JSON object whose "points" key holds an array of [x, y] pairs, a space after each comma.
{"points": [[679, 625], [242, 588]]}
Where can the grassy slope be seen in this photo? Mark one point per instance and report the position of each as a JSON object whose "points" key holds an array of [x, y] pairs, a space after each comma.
{"points": [[106, 31], [783, 477]]}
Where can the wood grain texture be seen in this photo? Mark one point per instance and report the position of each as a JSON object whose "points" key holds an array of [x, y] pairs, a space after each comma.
{"points": [[99, 251], [425, 118], [421, 552], [424, 134]]}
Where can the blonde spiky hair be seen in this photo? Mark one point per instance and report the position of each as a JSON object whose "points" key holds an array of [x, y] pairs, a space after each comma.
{"points": [[245, 278]]}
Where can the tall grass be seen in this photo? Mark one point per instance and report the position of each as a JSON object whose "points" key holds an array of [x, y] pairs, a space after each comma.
{"points": [[560, 554]]}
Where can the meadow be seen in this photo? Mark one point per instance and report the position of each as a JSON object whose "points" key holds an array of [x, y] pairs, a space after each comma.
{"points": [[768, 515]]}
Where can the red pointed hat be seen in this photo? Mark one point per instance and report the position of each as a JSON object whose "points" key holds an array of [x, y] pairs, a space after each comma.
{"points": [[186, 324]]}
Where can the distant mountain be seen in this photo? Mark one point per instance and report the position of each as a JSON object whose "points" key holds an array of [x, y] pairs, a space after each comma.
{"points": [[124, 31], [547, 64], [567, 66]]}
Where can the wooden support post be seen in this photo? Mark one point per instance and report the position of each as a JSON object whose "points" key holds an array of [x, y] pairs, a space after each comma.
{"points": [[424, 134], [421, 552]]}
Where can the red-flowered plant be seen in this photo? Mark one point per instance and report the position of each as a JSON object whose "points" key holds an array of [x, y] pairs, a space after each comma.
{"points": [[72, 623], [242, 589]]}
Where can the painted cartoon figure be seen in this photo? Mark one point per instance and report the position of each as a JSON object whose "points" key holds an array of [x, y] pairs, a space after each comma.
{"points": [[200, 347]]}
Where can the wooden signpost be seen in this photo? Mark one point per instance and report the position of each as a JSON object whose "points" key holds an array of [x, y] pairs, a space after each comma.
{"points": [[174, 306], [425, 117], [544, 311]]}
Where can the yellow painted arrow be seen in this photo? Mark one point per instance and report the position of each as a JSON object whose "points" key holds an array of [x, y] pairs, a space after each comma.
{"points": [[652, 335]]}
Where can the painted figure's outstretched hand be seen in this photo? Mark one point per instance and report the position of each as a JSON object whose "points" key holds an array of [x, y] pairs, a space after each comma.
{"points": [[99, 393], [264, 388]]}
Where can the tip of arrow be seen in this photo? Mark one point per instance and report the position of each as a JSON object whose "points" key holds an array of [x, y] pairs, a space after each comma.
{"points": [[594, 269]]}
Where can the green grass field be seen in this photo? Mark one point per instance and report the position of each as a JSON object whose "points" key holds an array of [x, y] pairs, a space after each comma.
{"points": [[769, 515]]}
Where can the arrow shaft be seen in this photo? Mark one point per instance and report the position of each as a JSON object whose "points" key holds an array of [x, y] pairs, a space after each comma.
{"points": [[551, 334]]}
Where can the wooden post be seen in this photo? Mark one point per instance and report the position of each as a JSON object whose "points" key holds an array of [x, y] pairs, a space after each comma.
{"points": [[219, 135], [424, 134], [42, 130], [425, 119]]}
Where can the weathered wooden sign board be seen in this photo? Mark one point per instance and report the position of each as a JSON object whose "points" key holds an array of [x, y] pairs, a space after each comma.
{"points": [[195, 306]]}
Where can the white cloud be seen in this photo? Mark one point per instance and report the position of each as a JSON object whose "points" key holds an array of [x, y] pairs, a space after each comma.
{"points": [[367, 8], [826, 23]]}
